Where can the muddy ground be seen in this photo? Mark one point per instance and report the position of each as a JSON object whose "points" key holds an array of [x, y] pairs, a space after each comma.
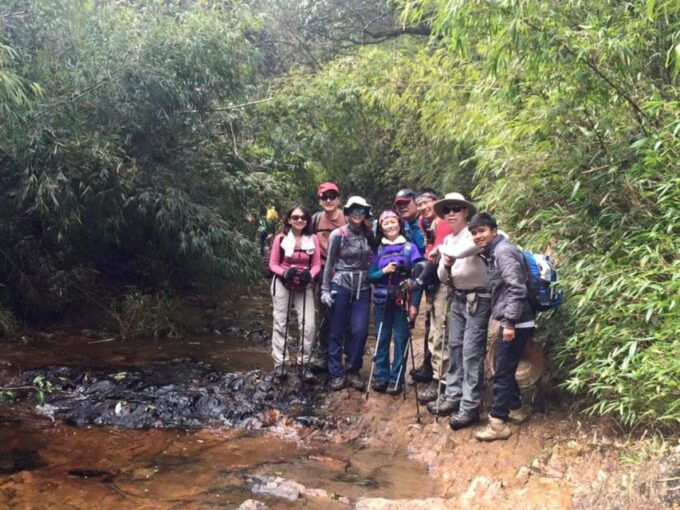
{"points": [[195, 422]]}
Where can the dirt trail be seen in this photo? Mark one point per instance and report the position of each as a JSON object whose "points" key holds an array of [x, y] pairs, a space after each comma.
{"points": [[377, 456]]}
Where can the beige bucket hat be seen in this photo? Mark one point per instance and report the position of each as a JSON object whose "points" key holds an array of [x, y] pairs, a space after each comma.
{"points": [[453, 199]]}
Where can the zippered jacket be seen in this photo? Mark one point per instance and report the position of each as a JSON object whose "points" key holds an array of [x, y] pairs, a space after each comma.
{"points": [[349, 255], [508, 279]]}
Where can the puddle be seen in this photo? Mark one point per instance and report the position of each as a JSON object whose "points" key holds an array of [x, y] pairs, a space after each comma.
{"points": [[47, 466]]}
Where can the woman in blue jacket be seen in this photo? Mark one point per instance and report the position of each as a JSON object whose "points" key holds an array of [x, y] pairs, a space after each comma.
{"points": [[390, 265]]}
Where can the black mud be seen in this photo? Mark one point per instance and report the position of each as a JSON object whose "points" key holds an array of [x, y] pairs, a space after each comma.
{"points": [[178, 394]]}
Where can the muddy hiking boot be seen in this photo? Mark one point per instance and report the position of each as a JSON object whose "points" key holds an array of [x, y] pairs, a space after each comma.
{"points": [[307, 376], [355, 380], [318, 365], [497, 429], [446, 406], [464, 419], [521, 414], [423, 373], [394, 389], [337, 383], [379, 386], [280, 374], [429, 393]]}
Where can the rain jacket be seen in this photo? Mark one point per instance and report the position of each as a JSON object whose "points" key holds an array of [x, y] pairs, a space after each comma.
{"points": [[349, 255], [508, 278]]}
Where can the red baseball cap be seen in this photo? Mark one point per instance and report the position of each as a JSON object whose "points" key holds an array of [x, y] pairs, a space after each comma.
{"points": [[327, 186]]}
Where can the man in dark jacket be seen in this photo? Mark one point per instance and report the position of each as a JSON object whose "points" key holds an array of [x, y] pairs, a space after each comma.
{"points": [[510, 306]]}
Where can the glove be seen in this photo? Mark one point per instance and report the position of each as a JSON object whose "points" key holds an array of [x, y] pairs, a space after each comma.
{"points": [[409, 284], [290, 273], [305, 277], [327, 299]]}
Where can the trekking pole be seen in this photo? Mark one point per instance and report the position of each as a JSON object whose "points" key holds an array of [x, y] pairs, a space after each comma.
{"points": [[375, 353], [302, 334], [404, 361], [285, 335], [445, 341], [409, 346], [426, 338]]}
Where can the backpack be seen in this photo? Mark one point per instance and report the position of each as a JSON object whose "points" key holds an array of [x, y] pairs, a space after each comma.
{"points": [[542, 286], [382, 294]]}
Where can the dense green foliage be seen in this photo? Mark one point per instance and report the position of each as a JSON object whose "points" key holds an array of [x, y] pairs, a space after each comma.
{"points": [[112, 173], [567, 131], [123, 155]]}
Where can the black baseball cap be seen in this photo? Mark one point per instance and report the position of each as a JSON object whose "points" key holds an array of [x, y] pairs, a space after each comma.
{"points": [[404, 195]]}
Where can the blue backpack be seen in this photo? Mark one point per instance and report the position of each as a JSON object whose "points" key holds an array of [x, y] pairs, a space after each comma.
{"points": [[542, 286]]}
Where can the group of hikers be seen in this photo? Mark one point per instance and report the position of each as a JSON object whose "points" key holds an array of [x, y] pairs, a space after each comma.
{"points": [[340, 260]]}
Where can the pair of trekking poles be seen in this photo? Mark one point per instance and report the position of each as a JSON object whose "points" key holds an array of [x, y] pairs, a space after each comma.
{"points": [[408, 350], [324, 319]]}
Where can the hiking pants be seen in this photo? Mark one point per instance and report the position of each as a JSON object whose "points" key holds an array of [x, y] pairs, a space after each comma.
{"points": [[506, 393], [347, 309], [298, 301], [437, 343], [390, 317], [320, 354], [467, 349]]}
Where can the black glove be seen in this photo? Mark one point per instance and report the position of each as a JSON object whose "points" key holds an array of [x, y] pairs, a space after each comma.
{"points": [[409, 284], [305, 277], [290, 273]]}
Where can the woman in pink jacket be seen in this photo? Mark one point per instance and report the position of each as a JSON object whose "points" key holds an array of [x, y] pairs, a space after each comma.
{"points": [[295, 261]]}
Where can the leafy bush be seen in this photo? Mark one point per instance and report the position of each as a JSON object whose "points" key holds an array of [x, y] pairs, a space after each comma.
{"points": [[140, 314], [110, 165]]}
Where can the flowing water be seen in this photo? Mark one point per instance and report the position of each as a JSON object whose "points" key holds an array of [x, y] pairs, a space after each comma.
{"points": [[46, 464]]}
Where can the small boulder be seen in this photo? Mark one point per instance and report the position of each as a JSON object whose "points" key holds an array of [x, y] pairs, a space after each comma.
{"points": [[252, 504]]}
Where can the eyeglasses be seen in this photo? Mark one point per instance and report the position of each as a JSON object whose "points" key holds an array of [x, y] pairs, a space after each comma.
{"points": [[357, 211], [328, 197], [451, 209], [298, 217]]}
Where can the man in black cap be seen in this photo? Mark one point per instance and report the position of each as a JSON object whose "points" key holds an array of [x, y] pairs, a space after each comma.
{"points": [[405, 205]]}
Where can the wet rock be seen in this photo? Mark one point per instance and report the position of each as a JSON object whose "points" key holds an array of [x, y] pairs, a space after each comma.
{"points": [[179, 393], [252, 504], [19, 460], [277, 487], [405, 504], [481, 488]]}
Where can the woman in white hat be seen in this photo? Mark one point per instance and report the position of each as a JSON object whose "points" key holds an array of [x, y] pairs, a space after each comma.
{"points": [[346, 290]]}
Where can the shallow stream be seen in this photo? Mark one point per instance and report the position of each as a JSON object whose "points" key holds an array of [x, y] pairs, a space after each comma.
{"points": [[45, 463]]}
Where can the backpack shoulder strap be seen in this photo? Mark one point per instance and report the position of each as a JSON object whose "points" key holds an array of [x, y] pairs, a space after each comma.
{"points": [[408, 250], [316, 218]]}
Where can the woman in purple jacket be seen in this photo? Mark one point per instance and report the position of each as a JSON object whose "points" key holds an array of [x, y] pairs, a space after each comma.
{"points": [[390, 265]]}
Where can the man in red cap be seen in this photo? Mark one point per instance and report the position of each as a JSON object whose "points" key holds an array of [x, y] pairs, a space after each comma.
{"points": [[323, 223]]}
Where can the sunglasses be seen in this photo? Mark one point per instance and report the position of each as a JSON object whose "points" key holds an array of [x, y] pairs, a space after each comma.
{"points": [[451, 209], [328, 197], [356, 211], [298, 217]]}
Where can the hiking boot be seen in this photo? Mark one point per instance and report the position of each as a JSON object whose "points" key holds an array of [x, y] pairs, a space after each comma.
{"points": [[355, 380], [307, 376], [463, 419], [393, 389], [318, 366], [280, 373], [430, 393], [337, 383], [521, 414], [423, 373], [446, 406], [496, 429], [379, 386]]}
